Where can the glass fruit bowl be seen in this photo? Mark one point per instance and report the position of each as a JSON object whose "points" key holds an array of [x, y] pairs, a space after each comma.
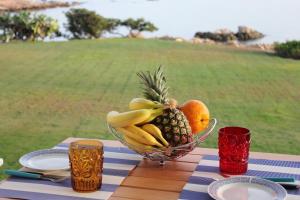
{"points": [[168, 153]]}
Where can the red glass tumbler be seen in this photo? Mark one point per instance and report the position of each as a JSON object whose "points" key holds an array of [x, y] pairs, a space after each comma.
{"points": [[234, 143]]}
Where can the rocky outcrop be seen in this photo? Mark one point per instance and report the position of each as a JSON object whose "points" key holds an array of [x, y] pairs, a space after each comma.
{"points": [[197, 41], [263, 47], [16, 5], [216, 36], [166, 37], [233, 43], [225, 35], [202, 41], [246, 33]]}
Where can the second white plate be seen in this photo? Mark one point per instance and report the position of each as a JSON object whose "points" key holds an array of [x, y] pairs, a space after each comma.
{"points": [[246, 188], [46, 160]]}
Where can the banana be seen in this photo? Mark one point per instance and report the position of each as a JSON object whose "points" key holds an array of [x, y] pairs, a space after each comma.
{"points": [[151, 118], [135, 145], [141, 103], [142, 136], [116, 119], [156, 132], [133, 135], [139, 135]]}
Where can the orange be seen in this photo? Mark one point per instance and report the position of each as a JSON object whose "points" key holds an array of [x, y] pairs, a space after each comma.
{"points": [[197, 114]]}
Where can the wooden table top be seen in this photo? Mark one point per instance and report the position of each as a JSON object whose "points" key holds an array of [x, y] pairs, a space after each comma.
{"points": [[166, 182]]}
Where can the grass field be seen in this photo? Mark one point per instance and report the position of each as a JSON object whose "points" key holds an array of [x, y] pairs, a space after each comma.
{"points": [[51, 91]]}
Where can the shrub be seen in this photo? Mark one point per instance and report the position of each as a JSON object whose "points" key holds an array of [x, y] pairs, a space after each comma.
{"points": [[224, 35], [83, 23], [219, 37], [25, 26], [290, 49]]}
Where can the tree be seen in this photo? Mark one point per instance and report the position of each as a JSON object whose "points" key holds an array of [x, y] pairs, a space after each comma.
{"points": [[24, 26], [5, 27], [83, 23], [43, 27], [138, 25], [112, 25]]}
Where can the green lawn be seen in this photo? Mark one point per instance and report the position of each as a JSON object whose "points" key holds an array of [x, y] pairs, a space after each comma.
{"points": [[51, 91]]}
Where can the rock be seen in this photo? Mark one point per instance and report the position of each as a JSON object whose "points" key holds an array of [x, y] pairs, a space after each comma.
{"points": [[208, 41], [223, 31], [246, 33], [263, 47], [179, 40], [136, 35], [166, 37], [234, 43], [197, 41], [269, 47], [17, 5]]}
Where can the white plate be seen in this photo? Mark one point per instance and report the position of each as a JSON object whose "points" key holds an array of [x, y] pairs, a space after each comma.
{"points": [[246, 188], [47, 159]]}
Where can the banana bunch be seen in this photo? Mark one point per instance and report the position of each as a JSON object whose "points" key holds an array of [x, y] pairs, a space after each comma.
{"points": [[143, 139], [142, 112], [134, 125]]}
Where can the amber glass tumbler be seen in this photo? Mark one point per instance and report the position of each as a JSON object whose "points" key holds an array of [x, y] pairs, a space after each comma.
{"points": [[234, 143], [86, 161]]}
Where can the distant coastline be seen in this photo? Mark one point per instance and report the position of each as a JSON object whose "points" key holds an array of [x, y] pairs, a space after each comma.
{"points": [[17, 5]]}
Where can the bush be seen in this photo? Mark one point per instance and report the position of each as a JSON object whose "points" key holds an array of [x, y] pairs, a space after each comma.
{"points": [[83, 23], [290, 49], [219, 37], [224, 35], [25, 26]]}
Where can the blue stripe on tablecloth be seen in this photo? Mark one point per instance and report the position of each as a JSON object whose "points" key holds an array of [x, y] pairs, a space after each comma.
{"points": [[120, 161], [38, 196], [281, 163], [191, 195], [106, 148], [200, 180], [115, 172], [251, 172], [65, 183]]}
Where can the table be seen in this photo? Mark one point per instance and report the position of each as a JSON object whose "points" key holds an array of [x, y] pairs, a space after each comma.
{"points": [[166, 182]]}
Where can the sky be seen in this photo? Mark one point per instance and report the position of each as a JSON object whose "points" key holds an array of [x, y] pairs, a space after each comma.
{"points": [[278, 19]]}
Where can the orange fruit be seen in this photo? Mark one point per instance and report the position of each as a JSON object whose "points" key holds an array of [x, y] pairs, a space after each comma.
{"points": [[197, 114]]}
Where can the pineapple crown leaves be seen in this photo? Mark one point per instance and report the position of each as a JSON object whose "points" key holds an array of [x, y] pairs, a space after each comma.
{"points": [[155, 85]]}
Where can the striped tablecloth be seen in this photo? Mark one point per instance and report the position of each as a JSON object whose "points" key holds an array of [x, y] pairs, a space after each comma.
{"points": [[208, 170], [118, 162]]}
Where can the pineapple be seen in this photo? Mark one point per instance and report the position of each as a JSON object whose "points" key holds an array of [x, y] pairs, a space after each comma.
{"points": [[172, 123]]}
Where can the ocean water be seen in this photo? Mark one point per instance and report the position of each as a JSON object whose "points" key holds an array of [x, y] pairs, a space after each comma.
{"points": [[277, 19]]}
